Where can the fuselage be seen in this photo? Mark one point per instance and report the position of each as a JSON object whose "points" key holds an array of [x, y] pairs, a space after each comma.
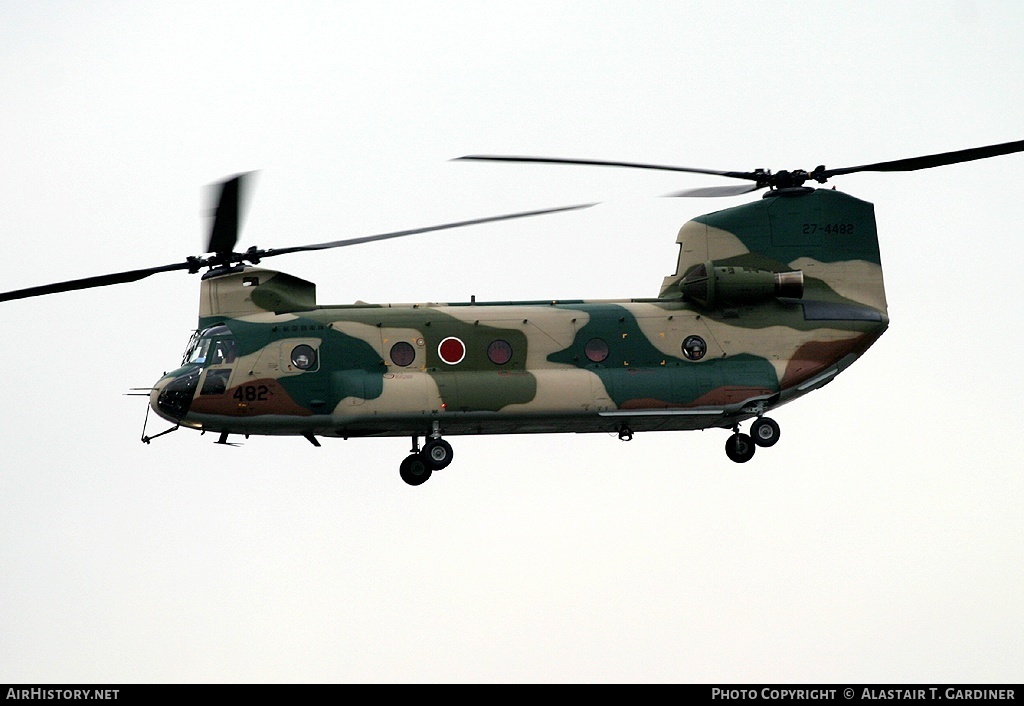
{"points": [[510, 367]]}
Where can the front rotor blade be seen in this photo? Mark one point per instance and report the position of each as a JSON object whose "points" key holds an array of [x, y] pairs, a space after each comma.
{"points": [[194, 264], [715, 191], [415, 231], [227, 215], [930, 160], [752, 176], [90, 282]]}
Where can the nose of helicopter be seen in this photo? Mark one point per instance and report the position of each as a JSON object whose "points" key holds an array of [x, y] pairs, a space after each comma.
{"points": [[172, 394]]}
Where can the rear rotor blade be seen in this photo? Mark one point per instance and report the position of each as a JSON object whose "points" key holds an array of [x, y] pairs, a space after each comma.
{"points": [[714, 191], [782, 179], [927, 161], [416, 231], [752, 176]]}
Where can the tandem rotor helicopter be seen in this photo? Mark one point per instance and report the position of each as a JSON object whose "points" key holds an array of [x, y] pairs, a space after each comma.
{"points": [[768, 301]]}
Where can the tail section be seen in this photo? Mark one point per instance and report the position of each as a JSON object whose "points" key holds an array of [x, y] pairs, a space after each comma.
{"points": [[827, 235]]}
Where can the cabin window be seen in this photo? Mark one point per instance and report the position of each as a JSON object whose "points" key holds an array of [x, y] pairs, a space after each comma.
{"points": [[694, 348], [596, 350], [403, 354], [303, 357], [499, 352]]}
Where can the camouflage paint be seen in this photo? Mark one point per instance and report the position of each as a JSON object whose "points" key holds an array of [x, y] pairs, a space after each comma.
{"points": [[763, 352], [636, 373]]}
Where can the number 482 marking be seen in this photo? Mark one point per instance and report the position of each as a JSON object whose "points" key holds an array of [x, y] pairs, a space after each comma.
{"points": [[251, 393]]}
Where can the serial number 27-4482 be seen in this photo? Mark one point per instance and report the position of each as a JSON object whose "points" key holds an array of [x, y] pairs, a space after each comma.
{"points": [[828, 228]]}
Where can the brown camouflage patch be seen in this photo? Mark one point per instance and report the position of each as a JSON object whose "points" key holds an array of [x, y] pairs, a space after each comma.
{"points": [[261, 396], [813, 357]]}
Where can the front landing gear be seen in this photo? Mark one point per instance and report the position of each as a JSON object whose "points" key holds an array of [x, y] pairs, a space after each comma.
{"points": [[437, 453], [421, 463], [414, 470], [741, 447]]}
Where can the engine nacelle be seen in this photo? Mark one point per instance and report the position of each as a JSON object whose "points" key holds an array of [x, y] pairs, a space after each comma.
{"points": [[715, 287]]}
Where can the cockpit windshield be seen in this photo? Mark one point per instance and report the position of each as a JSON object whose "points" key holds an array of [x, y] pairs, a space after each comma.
{"points": [[211, 346]]}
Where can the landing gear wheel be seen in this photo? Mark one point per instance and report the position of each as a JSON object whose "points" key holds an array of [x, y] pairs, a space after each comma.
{"points": [[765, 432], [414, 470], [437, 454], [740, 448]]}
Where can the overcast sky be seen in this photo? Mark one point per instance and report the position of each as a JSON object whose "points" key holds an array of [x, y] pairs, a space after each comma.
{"points": [[881, 540]]}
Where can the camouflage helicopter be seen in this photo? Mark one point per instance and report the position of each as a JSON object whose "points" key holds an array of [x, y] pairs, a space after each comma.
{"points": [[768, 301]]}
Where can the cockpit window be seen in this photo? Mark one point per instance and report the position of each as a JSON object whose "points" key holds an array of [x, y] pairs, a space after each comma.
{"points": [[212, 346], [223, 350], [196, 352]]}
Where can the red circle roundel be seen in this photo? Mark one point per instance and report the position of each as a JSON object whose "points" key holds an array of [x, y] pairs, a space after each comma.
{"points": [[452, 350]]}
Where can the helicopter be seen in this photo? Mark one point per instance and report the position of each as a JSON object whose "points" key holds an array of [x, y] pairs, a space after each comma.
{"points": [[768, 301]]}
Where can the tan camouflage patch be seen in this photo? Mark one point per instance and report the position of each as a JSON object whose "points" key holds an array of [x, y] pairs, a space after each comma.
{"points": [[858, 280], [698, 243]]}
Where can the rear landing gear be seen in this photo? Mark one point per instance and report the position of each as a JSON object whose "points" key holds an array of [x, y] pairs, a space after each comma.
{"points": [[765, 431], [421, 463], [741, 447]]}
